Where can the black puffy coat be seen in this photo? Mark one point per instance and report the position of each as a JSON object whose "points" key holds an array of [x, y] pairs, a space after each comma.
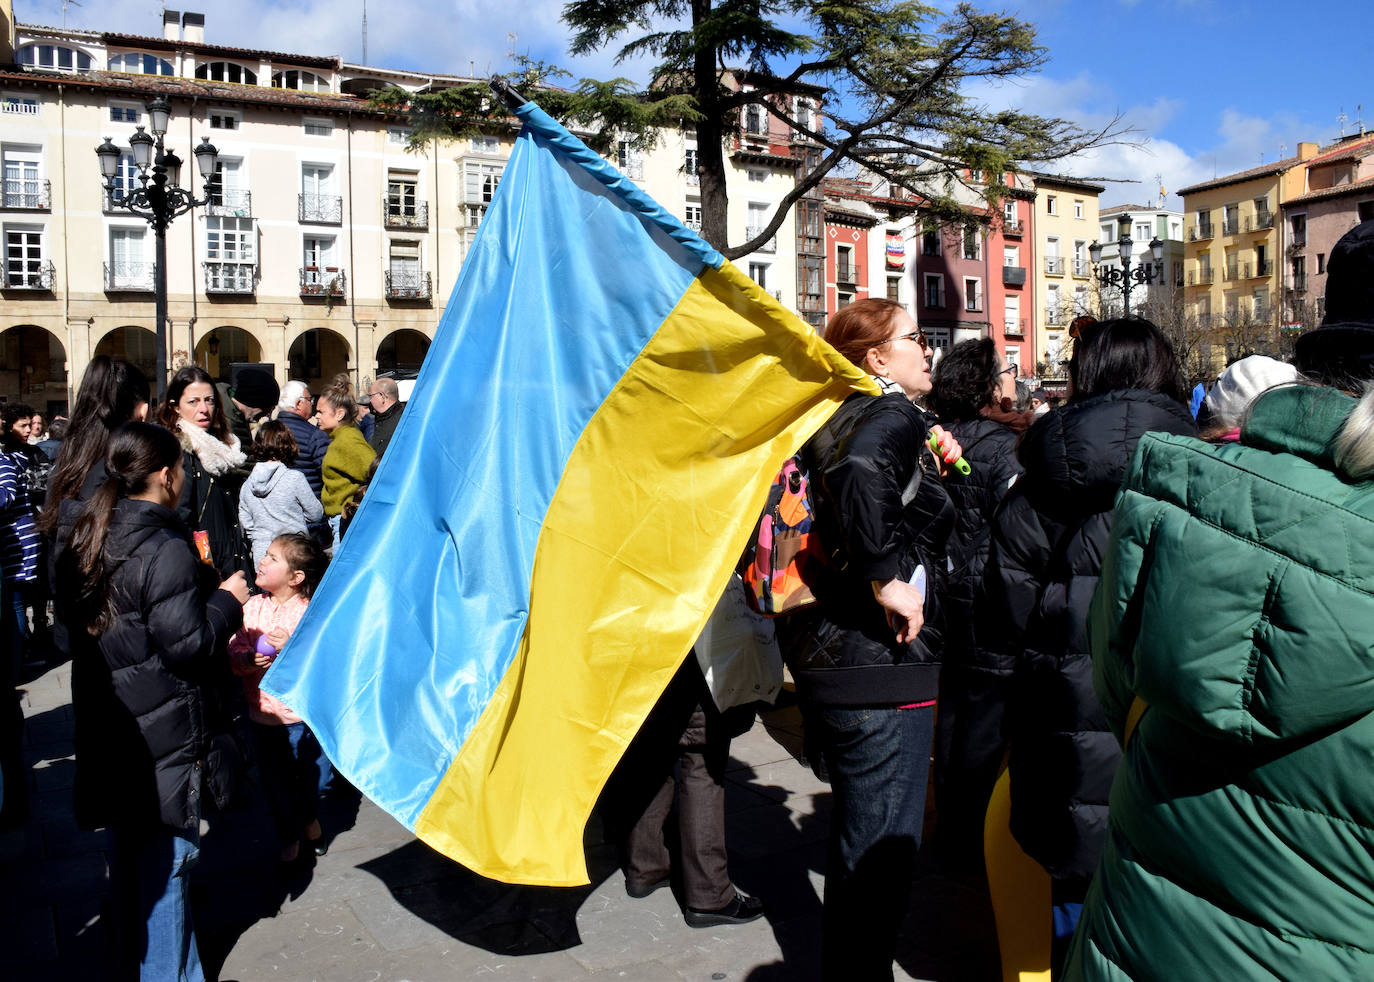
{"points": [[963, 789], [151, 733], [880, 511], [211, 502], [1048, 539]]}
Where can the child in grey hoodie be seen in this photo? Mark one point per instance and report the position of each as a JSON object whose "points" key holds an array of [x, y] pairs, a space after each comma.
{"points": [[275, 500]]}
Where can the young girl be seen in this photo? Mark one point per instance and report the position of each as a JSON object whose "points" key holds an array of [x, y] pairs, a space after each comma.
{"points": [[275, 499], [294, 768]]}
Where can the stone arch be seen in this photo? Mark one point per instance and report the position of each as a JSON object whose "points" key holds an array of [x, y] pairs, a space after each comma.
{"points": [[136, 345], [402, 350], [219, 348], [33, 368], [317, 355]]}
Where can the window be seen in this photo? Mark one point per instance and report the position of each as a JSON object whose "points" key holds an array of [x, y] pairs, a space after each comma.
{"points": [[1080, 300], [1009, 210], [1231, 220], [484, 143], [129, 267], [1081, 266], [753, 119], [21, 105], [1321, 263], [1053, 308], [404, 265], [232, 197], [894, 288], [23, 169], [56, 57], [845, 271], [1054, 263], [629, 160], [1014, 358], [973, 243], [224, 119], [1143, 233], [24, 257], [226, 71], [757, 175], [126, 178], [318, 257], [689, 165], [318, 127], [229, 239], [934, 291], [757, 220], [140, 64], [1011, 256], [1108, 235], [1011, 314], [125, 112], [397, 136], [758, 272], [402, 196], [803, 113], [1051, 204], [1298, 227], [304, 81], [975, 175], [479, 184], [318, 202], [692, 216], [1077, 208], [930, 242], [317, 179], [973, 295]]}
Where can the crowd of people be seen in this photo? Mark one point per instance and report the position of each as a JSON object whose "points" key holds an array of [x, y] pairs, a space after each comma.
{"points": [[1144, 617], [181, 541]]}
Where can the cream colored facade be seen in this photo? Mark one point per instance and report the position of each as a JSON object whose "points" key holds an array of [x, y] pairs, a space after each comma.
{"points": [[1064, 224], [1233, 270]]}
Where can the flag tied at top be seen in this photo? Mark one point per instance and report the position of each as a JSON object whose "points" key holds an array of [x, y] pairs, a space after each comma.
{"points": [[585, 454]]}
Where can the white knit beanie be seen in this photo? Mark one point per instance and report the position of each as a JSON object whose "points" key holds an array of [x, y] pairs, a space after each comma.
{"points": [[1241, 384]]}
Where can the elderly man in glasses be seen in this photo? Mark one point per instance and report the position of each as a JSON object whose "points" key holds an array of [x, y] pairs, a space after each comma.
{"points": [[384, 397]]}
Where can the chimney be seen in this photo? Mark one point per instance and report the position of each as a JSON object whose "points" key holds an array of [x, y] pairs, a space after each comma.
{"points": [[171, 25], [1306, 151], [193, 28]]}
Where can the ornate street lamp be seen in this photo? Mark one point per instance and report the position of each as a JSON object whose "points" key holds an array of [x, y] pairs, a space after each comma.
{"points": [[158, 199], [1144, 272]]}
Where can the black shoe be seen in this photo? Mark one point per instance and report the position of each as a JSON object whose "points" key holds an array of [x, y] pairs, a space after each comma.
{"points": [[640, 891], [741, 910]]}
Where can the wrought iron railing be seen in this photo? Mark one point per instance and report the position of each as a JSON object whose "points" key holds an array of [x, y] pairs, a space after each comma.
{"points": [[134, 277], [1261, 221], [230, 203], [1264, 267], [1010, 227], [1230, 225], [29, 275], [231, 278], [846, 273], [1081, 267], [1200, 231], [407, 284], [28, 194], [754, 231], [326, 281], [405, 212], [1054, 265], [322, 209]]}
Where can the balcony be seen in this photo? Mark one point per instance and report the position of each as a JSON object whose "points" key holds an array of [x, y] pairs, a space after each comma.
{"points": [[130, 277], [230, 203], [1202, 277], [1013, 227], [1237, 271], [405, 213], [1015, 328], [1299, 284], [1230, 225], [1013, 276], [1204, 321], [30, 275], [1054, 266], [1082, 268], [403, 284], [936, 302], [1053, 315], [846, 273], [321, 209], [326, 281], [1261, 221], [1262, 268], [1200, 232], [233, 279], [28, 195], [694, 225], [753, 232]]}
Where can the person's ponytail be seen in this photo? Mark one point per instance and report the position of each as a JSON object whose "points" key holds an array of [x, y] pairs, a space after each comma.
{"points": [[1355, 443]]}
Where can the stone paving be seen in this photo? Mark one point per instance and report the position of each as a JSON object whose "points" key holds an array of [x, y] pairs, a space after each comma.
{"points": [[383, 906]]}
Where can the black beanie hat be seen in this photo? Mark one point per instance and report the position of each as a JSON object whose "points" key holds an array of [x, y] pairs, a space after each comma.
{"points": [[1343, 347], [256, 389]]}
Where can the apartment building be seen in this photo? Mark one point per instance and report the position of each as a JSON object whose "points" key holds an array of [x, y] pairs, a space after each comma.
{"points": [[1232, 273], [1145, 223], [1337, 194], [1066, 223], [1011, 244]]}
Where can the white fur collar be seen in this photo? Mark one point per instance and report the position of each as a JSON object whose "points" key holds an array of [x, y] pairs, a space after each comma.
{"points": [[216, 457]]}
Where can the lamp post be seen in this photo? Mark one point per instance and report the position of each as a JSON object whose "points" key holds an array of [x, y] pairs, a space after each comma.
{"points": [[158, 199], [1143, 272]]}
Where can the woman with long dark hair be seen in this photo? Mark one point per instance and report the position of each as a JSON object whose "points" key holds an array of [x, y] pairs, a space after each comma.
{"points": [[215, 469], [152, 621], [866, 657], [1048, 539]]}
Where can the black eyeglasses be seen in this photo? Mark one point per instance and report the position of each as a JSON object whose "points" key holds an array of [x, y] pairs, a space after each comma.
{"points": [[918, 336], [1009, 370]]}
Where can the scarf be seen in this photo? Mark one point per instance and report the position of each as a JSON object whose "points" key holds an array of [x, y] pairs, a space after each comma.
{"points": [[1002, 412], [217, 458]]}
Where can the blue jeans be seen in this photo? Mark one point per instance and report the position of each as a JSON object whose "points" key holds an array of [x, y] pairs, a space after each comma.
{"points": [[295, 772], [150, 903], [879, 761]]}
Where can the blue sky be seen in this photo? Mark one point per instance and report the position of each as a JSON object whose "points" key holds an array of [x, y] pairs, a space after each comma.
{"points": [[1209, 86]]}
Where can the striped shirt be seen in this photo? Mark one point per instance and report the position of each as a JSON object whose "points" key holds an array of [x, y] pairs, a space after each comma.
{"points": [[18, 533]]}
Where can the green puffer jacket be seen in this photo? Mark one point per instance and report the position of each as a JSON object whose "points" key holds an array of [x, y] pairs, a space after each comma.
{"points": [[1237, 602]]}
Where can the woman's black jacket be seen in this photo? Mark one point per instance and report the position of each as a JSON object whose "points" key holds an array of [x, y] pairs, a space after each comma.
{"points": [[150, 728], [211, 502], [1048, 539], [880, 511]]}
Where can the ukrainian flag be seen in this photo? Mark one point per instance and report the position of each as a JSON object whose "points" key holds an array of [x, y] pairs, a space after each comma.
{"points": [[585, 454]]}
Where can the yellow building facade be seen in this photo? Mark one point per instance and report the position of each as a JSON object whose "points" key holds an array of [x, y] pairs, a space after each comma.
{"points": [[1064, 225]]}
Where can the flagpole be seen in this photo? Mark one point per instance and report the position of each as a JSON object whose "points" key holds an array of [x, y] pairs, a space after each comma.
{"points": [[503, 90]]}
